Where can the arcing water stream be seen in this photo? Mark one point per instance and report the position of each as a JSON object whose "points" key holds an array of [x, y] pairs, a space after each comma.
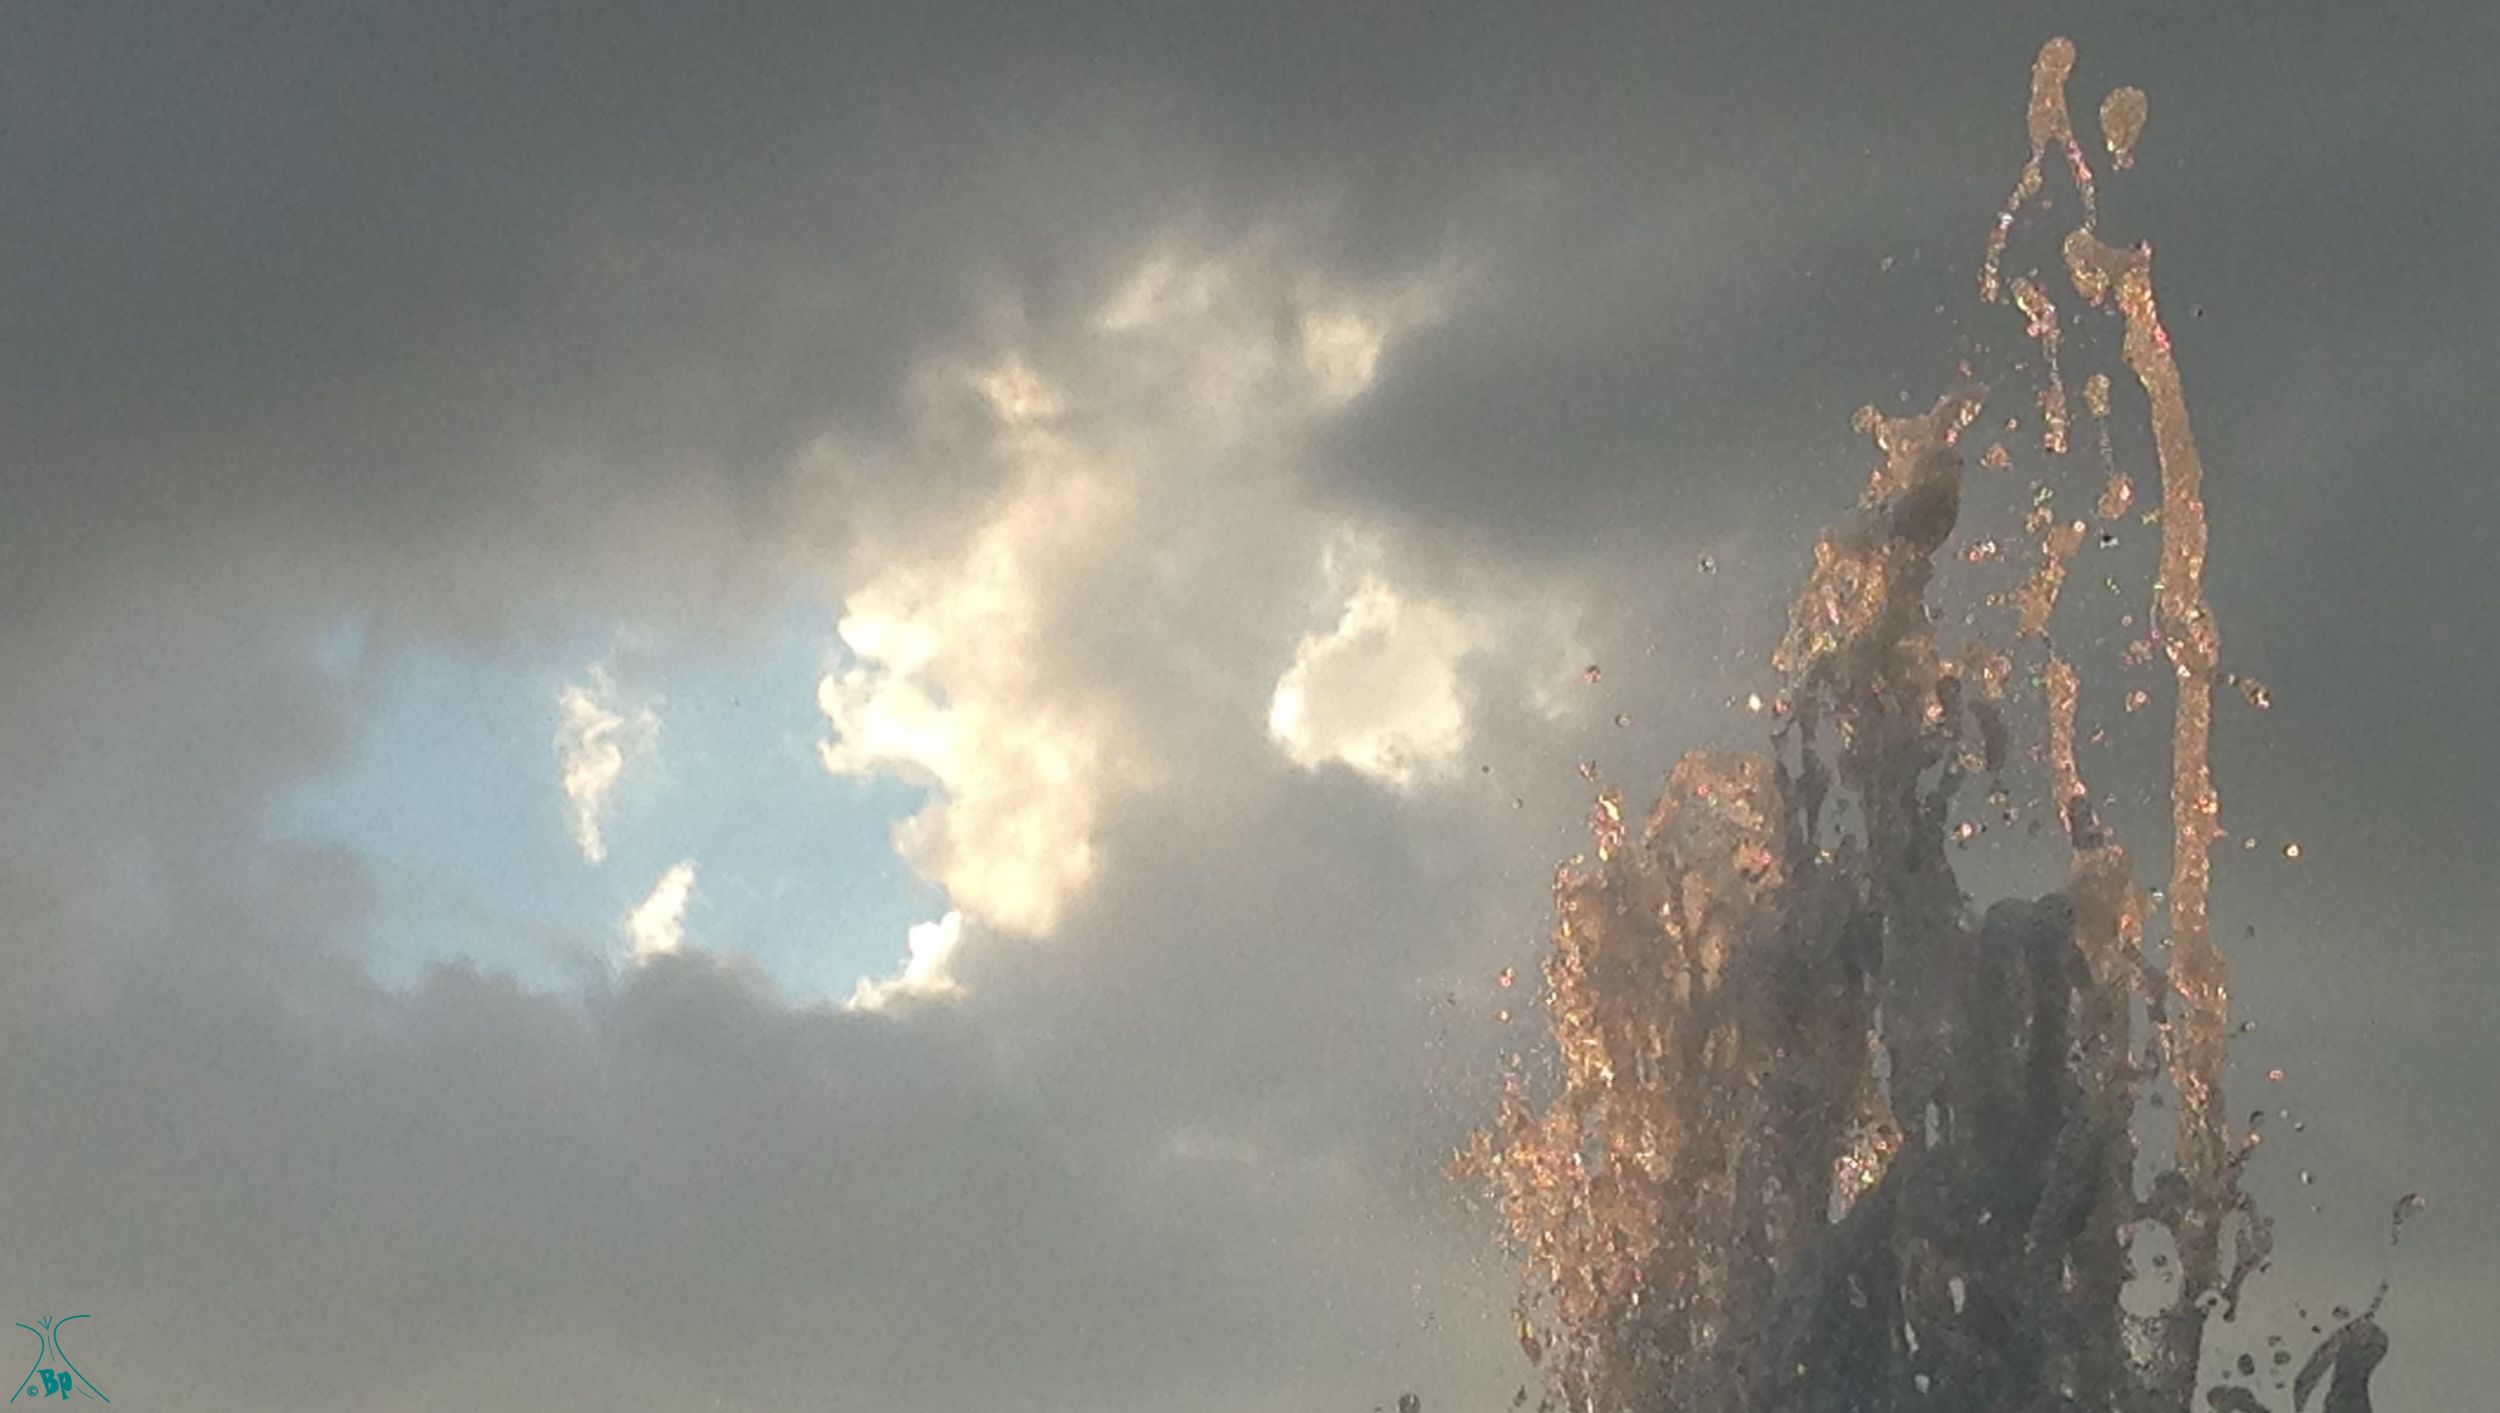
{"points": [[1825, 1142]]}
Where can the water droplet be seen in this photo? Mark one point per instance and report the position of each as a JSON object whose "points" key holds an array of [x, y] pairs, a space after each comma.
{"points": [[1508, 978], [2275, 1075], [1502, 1016], [1623, 718], [2406, 1206], [1753, 702], [2307, 1177], [1590, 674], [1518, 803], [2291, 851], [1709, 565], [2122, 123]]}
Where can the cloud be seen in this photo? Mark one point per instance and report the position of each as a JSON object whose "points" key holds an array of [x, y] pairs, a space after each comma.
{"points": [[970, 657], [594, 743], [1379, 691], [1059, 363], [949, 688], [657, 925], [926, 972]]}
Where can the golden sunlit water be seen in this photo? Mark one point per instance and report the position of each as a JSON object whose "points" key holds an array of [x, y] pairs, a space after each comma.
{"points": [[1823, 1140]]}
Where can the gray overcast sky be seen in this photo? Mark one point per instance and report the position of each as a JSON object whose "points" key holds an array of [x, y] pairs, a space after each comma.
{"points": [[1222, 433]]}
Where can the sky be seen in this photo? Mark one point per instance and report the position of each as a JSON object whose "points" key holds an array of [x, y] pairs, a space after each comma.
{"points": [[751, 706], [702, 756]]}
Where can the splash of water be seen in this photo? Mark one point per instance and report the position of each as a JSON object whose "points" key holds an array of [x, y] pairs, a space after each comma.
{"points": [[1823, 1141]]}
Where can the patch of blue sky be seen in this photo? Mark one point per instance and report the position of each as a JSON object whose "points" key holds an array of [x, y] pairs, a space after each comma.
{"points": [[451, 797]]}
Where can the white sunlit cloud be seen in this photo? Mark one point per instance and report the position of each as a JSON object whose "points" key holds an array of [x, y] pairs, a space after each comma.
{"points": [[595, 740], [952, 687], [927, 967], [1160, 431], [1385, 681], [657, 925], [1379, 691]]}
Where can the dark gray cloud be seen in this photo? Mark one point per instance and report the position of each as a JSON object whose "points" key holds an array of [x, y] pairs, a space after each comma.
{"points": [[468, 319]]}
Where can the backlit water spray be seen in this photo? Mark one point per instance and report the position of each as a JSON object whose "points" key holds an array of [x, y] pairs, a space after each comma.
{"points": [[1825, 1139]]}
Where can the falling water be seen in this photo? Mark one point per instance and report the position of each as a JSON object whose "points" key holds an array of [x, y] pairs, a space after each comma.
{"points": [[1823, 1139]]}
